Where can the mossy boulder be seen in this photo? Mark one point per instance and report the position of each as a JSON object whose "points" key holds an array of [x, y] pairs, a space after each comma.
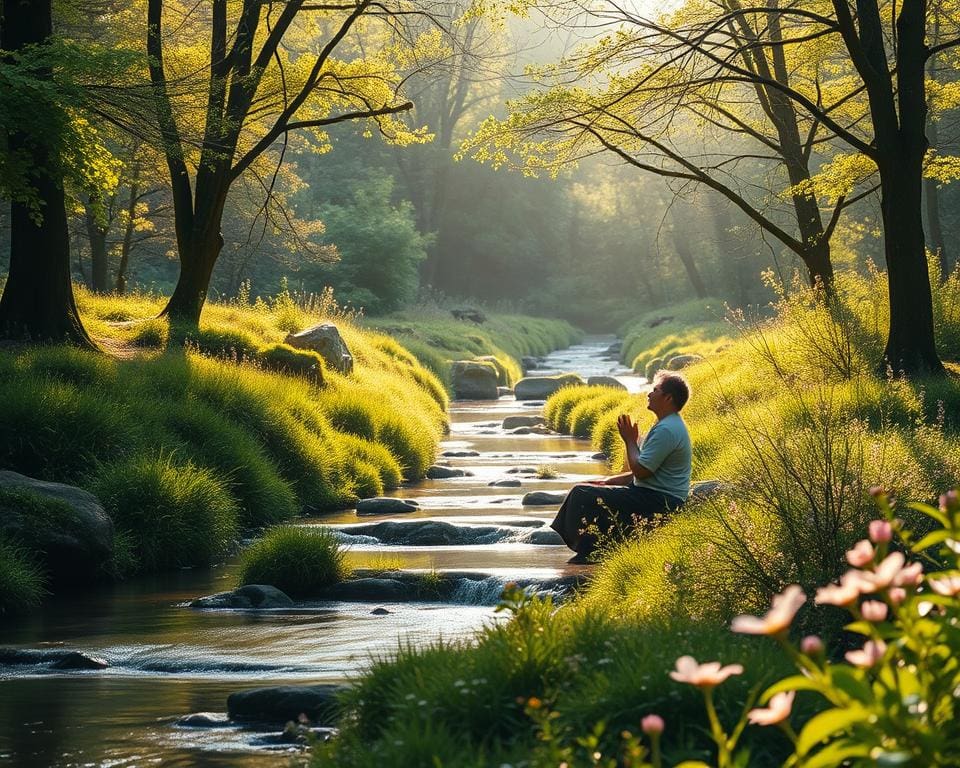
{"points": [[540, 387], [474, 380], [66, 527]]}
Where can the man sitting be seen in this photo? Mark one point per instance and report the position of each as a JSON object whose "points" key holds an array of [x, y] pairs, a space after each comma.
{"points": [[658, 481]]}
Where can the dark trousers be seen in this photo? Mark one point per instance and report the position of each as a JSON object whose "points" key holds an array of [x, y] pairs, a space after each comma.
{"points": [[606, 510]]}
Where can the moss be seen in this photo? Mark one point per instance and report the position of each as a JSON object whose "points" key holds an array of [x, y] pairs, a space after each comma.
{"points": [[300, 560]]}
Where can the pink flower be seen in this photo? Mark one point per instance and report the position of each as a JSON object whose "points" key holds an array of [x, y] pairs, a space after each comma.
{"points": [[705, 675], [874, 610], [948, 501], [777, 711], [811, 645], [887, 571], [876, 491], [652, 725], [909, 576], [897, 595], [948, 587], [777, 619], [880, 531], [861, 554], [869, 655], [852, 585]]}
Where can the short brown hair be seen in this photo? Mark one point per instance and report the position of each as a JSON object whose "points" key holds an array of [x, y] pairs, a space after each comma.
{"points": [[675, 385]]}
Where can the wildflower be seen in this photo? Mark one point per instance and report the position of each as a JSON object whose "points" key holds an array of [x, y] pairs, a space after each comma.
{"points": [[811, 645], [948, 501], [852, 585], [874, 610], [897, 595], [534, 703], [869, 655], [861, 554], [652, 724], [880, 531], [887, 570], [777, 711], [909, 576], [705, 675], [948, 587], [777, 619], [877, 491]]}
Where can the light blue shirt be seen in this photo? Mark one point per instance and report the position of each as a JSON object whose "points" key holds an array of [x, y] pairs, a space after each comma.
{"points": [[666, 451]]}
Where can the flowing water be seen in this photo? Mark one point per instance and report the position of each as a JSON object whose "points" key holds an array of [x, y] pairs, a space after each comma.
{"points": [[167, 660]]}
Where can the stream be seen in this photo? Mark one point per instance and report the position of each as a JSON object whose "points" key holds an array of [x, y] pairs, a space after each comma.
{"points": [[167, 660]]}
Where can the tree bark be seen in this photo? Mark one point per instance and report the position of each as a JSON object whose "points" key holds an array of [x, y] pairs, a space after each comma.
{"points": [[97, 235], [127, 244], [931, 194], [38, 302], [682, 247]]}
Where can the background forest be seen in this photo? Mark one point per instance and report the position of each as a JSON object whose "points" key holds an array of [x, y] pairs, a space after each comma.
{"points": [[389, 219]]}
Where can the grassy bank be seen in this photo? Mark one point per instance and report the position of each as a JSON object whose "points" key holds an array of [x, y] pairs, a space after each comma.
{"points": [[789, 413], [437, 339], [190, 437]]}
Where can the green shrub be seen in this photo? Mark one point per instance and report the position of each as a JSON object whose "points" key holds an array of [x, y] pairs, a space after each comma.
{"points": [[300, 560], [295, 362], [177, 515], [57, 431], [556, 410], [584, 415], [240, 462], [153, 333], [21, 579], [224, 343], [374, 455]]}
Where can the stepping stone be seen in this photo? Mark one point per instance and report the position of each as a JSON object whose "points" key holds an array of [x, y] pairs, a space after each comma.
{"points": [[203, 720], [282, 703], [532, 431], [512, 422], [459, 454], [77, 660], [522, 471], [533, 403], [386, 505], [504, 484], [599, 457], [438, 472], [380, 612], [540, 498]]}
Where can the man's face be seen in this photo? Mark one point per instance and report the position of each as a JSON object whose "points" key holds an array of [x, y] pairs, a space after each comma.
{"points": [[657, 399]]}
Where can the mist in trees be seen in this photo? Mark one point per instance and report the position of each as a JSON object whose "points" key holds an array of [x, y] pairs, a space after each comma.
{"points": [[654, 159]]}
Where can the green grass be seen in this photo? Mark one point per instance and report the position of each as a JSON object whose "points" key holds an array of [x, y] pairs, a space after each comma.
{"points": [[22, 580], [175, 514], [463, 702], [436, 339], [300, 560]]}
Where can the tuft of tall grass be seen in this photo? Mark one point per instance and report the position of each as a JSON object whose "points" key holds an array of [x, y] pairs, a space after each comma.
{"points": [[176, 515], [584, 415], [22, 581], [294, 362], [300, 560]]}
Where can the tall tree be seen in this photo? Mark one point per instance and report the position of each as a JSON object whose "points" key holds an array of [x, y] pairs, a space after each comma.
{"points": [[263, 84], [37, 301], [872, 99]]}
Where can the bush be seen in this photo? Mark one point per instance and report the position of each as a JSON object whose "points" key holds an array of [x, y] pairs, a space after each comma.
{"points": [[299, 560], [151, 333], [224, 343], [294, 362], [21, 579], [177, 515]]}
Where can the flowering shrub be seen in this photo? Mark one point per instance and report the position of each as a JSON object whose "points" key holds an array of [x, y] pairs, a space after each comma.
{"points": [[891, 702]]}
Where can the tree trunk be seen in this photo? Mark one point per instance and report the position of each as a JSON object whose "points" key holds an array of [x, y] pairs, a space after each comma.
{"points": [[931, 195], [196, 268], [127, 244], [97, 234], [682, 247], [38, 302]]}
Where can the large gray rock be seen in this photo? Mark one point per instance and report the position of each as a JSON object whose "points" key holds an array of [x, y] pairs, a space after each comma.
{"points": [[325, 340], [539, 387], [281, 703], [539, 498], [386, 505], [440, 472], [677, 362], [606, 381], [474, 380], [503, 375], [74, 539], [247, 596], [512, 422], [706, 488]]}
